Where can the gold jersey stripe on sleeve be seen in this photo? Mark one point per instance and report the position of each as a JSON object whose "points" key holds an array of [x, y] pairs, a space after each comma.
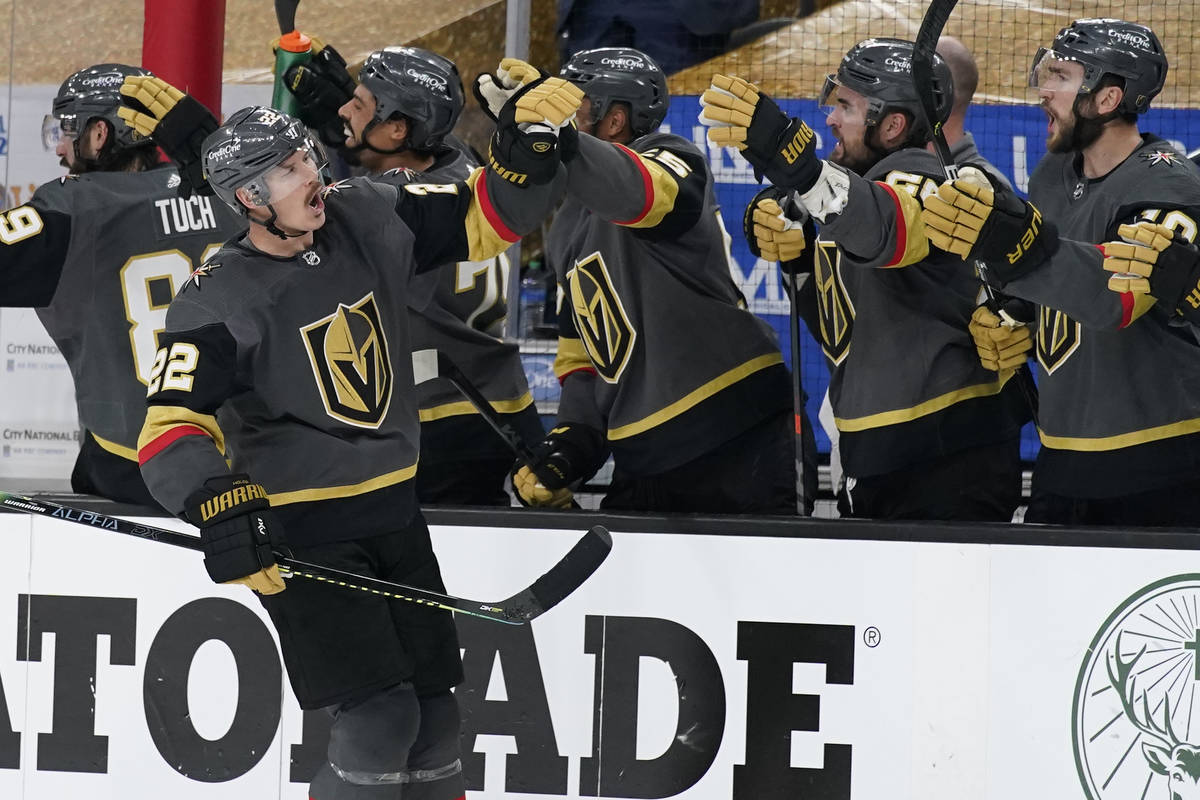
{"points": [[487, 235], [165, 424], [1102, 443], [696, 396], [660, 187], [463, 408], [930, 406], [571, 357], [911, 243], [331, 492], [126, 453]]}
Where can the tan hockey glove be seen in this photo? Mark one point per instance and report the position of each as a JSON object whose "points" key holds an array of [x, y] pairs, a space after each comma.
{"points": [[1001, 344]]}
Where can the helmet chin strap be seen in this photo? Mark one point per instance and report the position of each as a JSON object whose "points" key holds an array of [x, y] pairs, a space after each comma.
{"points": [[274, 229]]}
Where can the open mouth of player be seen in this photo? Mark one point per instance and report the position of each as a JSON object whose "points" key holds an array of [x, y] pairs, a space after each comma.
{"points": [[316, 202]]}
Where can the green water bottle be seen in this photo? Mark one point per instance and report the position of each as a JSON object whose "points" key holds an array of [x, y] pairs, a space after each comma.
{"points": [[294, 48]]}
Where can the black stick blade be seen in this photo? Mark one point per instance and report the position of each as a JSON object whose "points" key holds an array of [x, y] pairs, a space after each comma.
{"points": [[563, 578]]}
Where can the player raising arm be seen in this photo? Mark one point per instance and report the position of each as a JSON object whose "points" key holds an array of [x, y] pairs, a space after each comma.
{"points": [[99, 253], [288, 353], [1119, 378]]}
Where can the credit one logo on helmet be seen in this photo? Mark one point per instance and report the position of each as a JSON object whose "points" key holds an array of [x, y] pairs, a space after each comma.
{"points": [[623, 62], [898, 64], [1133, 729], [1131, 38], [108, 79], [433, 82]]}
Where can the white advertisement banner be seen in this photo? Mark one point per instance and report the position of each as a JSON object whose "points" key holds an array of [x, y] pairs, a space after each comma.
{"points": [[692, 666]]}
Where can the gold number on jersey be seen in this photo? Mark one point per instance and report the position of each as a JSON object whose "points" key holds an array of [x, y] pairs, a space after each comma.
{"points": [[1175, 220], [19, 224], [422, 189], [918, 186], [174, 368], [493, 305], [670, 161], [148, 282]]}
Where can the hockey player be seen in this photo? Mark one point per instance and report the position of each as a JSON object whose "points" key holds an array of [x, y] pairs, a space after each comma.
{"points": [[295, 336], [396, 123], [925, 432], [99, 253], [658, 358], [1119, 378]]}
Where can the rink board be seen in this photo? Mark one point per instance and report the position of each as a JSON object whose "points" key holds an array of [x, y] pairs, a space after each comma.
{"points": [[701, 666]]}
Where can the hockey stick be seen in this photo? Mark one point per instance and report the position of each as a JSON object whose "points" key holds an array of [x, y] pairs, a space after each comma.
{"points": [[546, 592], [430, 364], [924, 48], [797, 390]]}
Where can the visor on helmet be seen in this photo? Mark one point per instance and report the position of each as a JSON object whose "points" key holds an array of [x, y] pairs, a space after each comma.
{"points": [[1053, 72], [289, 176], [52, 132]]}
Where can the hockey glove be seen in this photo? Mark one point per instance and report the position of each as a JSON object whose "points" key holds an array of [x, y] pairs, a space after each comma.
{"points": [[973, 221], [781, 148], [321, 87], [1002, 343], [776, 234], [567, 456], [534, 129], [493, 91], [239, 533], [177, 122], [1156, 260]]}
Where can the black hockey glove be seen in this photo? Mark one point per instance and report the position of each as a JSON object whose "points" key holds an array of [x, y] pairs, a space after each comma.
{"points": [[1156, 260], [969, 218], [239, 533], [569, 455], [321, 87], [782, 148], [177, 122], [777, 230], [534, 130]]}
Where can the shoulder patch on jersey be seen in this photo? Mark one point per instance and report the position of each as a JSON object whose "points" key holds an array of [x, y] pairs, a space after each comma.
{"points": [[173, 181], [205, 270], [335, 187], [1168, 157]]}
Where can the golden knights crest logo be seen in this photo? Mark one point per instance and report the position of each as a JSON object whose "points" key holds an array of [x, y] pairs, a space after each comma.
{"points": [[1134, 726], [835, 311], [603, 325], [1057, 338], [349, 355]]}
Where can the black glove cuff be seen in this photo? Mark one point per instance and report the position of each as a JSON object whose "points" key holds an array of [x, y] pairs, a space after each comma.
{"points": [[223, 498], [1036, 245], [569, 454]]}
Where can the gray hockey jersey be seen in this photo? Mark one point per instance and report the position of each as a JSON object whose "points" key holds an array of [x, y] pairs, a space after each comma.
{"points": [[905, 383], [298, 369], [468, 302], [101, 256], [649, 309], [1119, 379]]}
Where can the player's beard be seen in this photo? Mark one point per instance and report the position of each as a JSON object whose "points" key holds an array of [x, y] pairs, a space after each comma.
{"points": [[860, 158], [1078, 132]]}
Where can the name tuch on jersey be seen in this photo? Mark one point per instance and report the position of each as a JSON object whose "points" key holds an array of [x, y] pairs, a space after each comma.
{"points": [[179, 215]]}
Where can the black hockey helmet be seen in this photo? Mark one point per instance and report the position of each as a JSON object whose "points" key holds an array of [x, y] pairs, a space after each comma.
{"points": [[1113, 47], [881, 71], [95, 92], [609, 75], [421, 85], [240, 153]]}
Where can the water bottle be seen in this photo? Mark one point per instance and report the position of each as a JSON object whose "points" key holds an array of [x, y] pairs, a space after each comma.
{"points": [[533, 300], [294, 48]]}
